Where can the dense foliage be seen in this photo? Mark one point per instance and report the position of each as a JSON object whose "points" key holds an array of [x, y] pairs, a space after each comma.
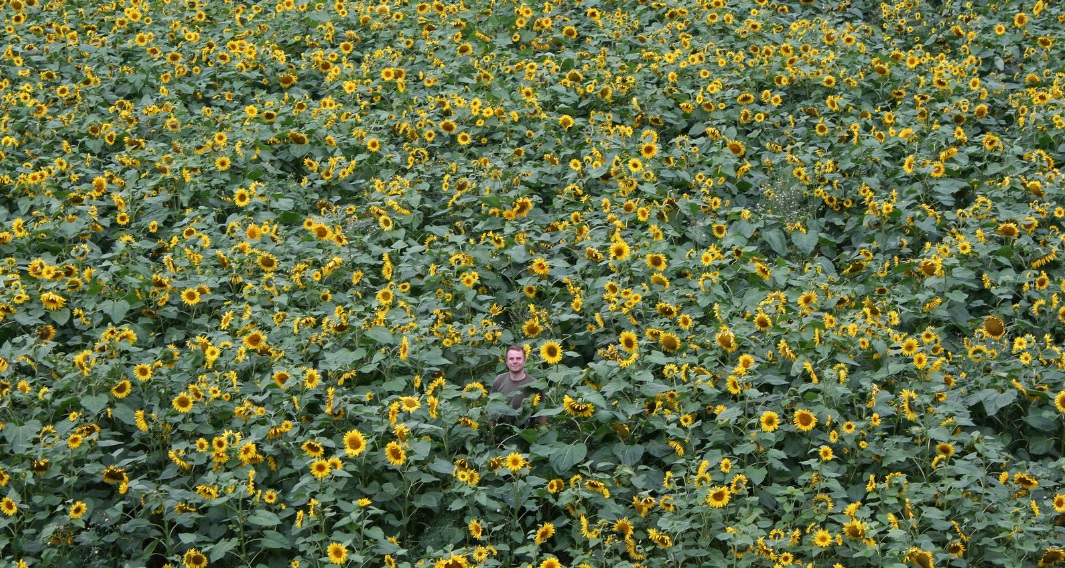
{"points": [[787, 273]]}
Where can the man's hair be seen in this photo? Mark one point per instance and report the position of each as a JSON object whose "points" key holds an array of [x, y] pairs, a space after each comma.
{"points": [[515, 348]]}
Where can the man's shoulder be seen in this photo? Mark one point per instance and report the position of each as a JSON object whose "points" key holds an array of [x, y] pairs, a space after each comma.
{"points": [[497, 382]]}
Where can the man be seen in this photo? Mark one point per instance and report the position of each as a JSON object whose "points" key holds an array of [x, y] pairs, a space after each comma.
{"points": [[515, 383]]}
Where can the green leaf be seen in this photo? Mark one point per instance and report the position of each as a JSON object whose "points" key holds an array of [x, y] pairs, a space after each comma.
{"points": [[274, 540], [263, 518], [628, 455], [94, 404], [219, 550], [115, 309], [567, 456], [21, 437], [805, 242]]}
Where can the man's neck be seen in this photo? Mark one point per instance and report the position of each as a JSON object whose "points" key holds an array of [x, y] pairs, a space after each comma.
{"points": [[517, 376]]}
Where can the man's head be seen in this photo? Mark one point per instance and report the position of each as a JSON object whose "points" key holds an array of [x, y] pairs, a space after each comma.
{"points": [[515, 357]]}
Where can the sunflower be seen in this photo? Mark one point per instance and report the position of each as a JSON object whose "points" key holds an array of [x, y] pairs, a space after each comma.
{"points": [[194, 559], [1052, 556], [762, 321], [222, 163], [115, 475], [514, 462], [717, 497], [670, 342], [557, 485], [630, 342], [854, 529], [77, 510], [267, 262], [956, 549], [666, 309], [922, 558], [540, 267], [1008, 230], [354, 443], [532, 328], [338, 554], [727, 340], [52, 301], [8, 506], [142, 372], [320, 468], [619, 250], [1026, 481], [551, 563], [241, 197], [312, 449], [575, 408], [825, 453], [1059, 502], [551, 352], [182, 402], [394, 454], [373, 145], [804, 420], [769, 421], [254, 340], [909, 347], [546, 531], [122, 389], [190, 296], [994, 328], [822, 538], [649, 150], [1059, 402]]}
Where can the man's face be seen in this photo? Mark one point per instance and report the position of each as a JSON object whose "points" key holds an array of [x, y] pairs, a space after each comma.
{"points": [[515, 360]]}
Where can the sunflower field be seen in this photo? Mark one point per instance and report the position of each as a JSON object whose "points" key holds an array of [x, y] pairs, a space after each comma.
{"points": [[787, 274]]}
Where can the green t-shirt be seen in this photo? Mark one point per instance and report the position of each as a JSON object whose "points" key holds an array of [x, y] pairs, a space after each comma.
{"points": [[515, 391]]}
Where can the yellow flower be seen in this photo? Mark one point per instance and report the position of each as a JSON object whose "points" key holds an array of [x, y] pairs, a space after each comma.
{"points": [[727, 340], [394, 454], [52, 301], [121, 390], [822, 538], [994, 328], [320, 468], [551, 352], [77, 510], [546, 531], [190, 296], [338, 554], [769, 421], [354, 443], [575, 408], [182, 403], [804, 420], [194, 559], [515, 462], [670, 342], [717, 497], [630, 342], [1059, 502]]}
